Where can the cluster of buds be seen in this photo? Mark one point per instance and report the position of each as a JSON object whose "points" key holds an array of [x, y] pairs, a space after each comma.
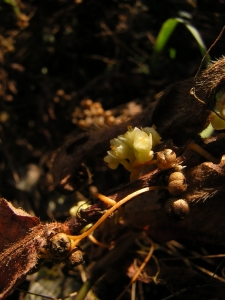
{"points": [[176, 207], [132, 149]]}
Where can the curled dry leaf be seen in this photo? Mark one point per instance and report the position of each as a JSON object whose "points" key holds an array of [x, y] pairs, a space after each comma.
{"points": [[21, 239], [16, 260], [15, 223]]}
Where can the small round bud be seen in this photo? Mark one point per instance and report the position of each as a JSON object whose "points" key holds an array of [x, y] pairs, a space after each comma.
{"points": [[75, 258], [177, 209], [59, 245], [166, 159], [177, 184]]}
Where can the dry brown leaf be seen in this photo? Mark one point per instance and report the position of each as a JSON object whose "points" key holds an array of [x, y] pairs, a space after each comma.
{"points": [[22, 237]]}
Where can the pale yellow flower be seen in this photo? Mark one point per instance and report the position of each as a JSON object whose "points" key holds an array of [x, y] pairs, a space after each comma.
{"points": [[135, 146]]}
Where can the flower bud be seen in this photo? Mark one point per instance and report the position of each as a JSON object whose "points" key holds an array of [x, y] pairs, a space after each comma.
{"points": [[166, 159], [177, 184], [59, 245], [133, 148], [75, 258], [176, 209]]}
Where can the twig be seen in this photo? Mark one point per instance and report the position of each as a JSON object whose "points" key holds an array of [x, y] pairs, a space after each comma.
{"points": [[151, 250], [78, 238], [105, 263]]}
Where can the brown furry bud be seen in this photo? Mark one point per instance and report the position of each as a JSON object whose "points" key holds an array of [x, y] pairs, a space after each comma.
{"points": [[75, 258], [177, 209], [166, 159], [59, 245], [177, 184]]}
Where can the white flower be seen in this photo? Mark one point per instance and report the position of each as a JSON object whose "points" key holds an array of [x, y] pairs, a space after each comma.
{"points": [[134, 147]]}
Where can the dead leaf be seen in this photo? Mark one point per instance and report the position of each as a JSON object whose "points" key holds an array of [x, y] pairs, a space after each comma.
{"points": [[21, 239], [14, 225]]}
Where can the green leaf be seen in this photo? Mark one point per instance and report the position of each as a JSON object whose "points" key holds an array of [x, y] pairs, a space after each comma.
{"points": [[165, 32], [168, 28]]}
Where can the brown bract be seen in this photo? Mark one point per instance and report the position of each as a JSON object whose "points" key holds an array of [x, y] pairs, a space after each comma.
{"points": [[21, 239], [18, 250]]}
